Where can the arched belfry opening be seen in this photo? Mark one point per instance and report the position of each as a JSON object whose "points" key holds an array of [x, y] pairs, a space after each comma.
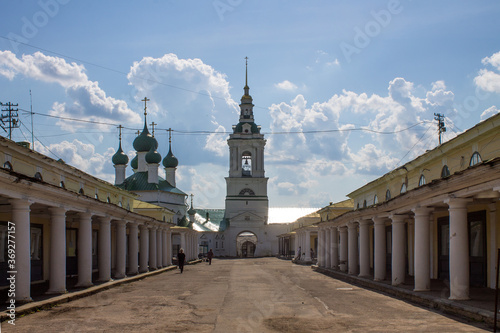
{"points": [[246, 164], [246, 244]]}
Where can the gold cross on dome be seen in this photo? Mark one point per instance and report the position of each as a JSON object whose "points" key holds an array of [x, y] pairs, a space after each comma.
{"points": [[145, 100], [153, 128]]}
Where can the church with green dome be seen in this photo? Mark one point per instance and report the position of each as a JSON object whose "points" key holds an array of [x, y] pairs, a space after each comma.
{"points": [[145, 180]]}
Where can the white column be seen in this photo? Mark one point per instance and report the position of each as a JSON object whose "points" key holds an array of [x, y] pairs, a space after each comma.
{"points": [[159, 248], [164, 255], [432, 238], [380, 249], [352, 254], [422, 249], [327, 248], [121, 244], [398, 249], [364, 248], [343, 247], [133, 248], [334, 248], [84, 247], [21, 219], [144, 254], [459, 249], [152, 248], [104, 249], [183, 241], [320, 255], [169, 247], [57, 261], [308, 246]]}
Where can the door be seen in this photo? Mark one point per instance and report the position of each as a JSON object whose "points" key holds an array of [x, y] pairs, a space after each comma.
{"points": [[71, 246]]}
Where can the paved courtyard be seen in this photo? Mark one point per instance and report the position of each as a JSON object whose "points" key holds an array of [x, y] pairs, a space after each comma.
{"points": [[238, 295]]}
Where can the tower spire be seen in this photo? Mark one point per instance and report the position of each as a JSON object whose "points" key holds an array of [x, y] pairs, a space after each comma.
{"points": [[246, 88]]}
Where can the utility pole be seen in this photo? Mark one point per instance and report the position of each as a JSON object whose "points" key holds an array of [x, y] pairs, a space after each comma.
{"points": [[441, 129], [10, 117]]}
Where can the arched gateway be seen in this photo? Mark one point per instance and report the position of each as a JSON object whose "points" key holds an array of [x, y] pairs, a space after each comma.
{"points": [[246, 244]]}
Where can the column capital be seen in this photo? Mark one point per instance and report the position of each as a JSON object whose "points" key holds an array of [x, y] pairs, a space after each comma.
{"points": [[365, 222], [422, 211], [120, 222], [378, 220], [457, 203], [352, 225], [342, 228], [397, 218], [20, 203], [132, 224], [104, 219], [57, 211], [84, 216]]}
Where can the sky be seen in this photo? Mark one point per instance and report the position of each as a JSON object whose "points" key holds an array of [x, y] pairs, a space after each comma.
{"points": [[344, 91]]}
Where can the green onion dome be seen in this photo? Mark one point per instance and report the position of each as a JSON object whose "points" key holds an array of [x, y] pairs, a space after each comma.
{"points": [[119, 158], [170, 161], [191, 211], [135, 162], [145, 141], [153, 156]]}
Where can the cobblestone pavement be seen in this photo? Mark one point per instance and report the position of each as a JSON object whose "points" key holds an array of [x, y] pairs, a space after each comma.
{"points": [[239, 295]]}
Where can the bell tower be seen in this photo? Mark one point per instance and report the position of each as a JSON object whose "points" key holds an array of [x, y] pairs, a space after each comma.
{"points": [[246, 194]]}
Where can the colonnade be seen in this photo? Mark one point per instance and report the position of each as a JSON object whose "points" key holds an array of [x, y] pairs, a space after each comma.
{"points": [[149, 247], [346, 246]]}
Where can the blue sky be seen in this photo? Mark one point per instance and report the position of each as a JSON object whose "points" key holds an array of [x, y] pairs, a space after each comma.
{"points": [[328, 66]]}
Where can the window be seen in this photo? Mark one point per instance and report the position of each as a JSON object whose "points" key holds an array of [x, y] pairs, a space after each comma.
{"points": [[246, 164], [387, 195], [38, 176], [121, 205], [81, 191], [475, 159], [403, 188], [364, 204], [108, 200], [61, 184], [7, 166], [375, 200], [357, 206], [247, 191], [445, 172], [421, 181]]}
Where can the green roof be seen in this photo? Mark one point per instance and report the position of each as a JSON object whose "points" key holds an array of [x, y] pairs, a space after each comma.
{"points": [[216, 217], [139, 182], [239, 128]]}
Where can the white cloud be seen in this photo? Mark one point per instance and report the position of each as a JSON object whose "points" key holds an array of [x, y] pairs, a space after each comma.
{"points": [[88, 100], [489, 80], [82, 156], [190, 95], [286, 85], [489, 112]]}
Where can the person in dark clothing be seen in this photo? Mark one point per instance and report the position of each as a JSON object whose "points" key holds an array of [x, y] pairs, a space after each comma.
{"points": [[181, 257], [210, 255]]}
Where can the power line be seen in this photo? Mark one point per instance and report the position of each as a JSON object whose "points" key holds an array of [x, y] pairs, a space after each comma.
{"points": [[428, 128]]}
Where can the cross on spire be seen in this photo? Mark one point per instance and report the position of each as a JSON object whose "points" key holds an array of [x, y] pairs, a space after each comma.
{"points": [[138, 132], [120, 135], [145, 100], [192, 195], [170, 135], [153, 128]]}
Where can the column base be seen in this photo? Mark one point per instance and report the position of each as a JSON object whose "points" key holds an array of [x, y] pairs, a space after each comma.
{"points": [[24, 300], [143, 271], [421, 289], [84, 284], [132, 273], [457, 298], [54, 292], [105, 280], [364, 276], [120, 276]]}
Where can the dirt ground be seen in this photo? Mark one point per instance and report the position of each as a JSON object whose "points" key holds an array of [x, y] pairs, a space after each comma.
{"points": [[238, 295]]}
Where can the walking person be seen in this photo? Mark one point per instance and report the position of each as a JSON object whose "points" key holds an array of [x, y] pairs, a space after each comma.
{"points": [[210, 255], [181, 258]]}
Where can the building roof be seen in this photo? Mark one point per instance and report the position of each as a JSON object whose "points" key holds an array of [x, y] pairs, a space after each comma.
{"points": [[139, 182]]}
